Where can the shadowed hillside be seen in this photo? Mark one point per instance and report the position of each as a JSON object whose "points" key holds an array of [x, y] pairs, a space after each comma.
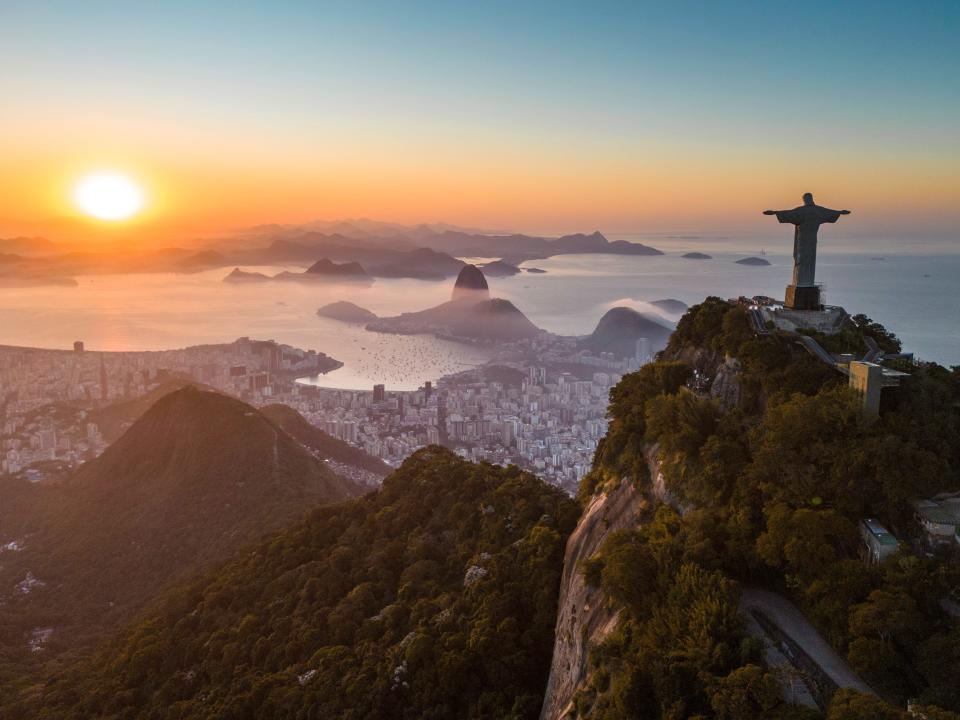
{"points": [[431, 598], [198, 475]]}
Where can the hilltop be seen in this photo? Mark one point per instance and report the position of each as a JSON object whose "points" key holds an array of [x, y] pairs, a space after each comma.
{"points": [[195, 477], [736, 470], [471, 283], [620, 328]]}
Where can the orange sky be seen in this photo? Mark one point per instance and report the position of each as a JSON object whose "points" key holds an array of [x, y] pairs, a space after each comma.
{"points": [[652, 187], [546, 120]]}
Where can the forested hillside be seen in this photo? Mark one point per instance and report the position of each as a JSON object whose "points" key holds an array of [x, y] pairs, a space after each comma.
{"points": [[737, 461], [195, 478], [433, 597], [768, 491]]}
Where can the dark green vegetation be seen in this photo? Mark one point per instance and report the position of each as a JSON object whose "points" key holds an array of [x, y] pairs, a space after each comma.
{"points": [[769, 492], [196, 477], [434, 597]]}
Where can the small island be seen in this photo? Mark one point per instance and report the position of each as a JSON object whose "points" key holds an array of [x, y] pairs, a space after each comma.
{"points": [[346, 312], [755, 261], [535, 270], [671, 305], [697, 256], [500, 268]]}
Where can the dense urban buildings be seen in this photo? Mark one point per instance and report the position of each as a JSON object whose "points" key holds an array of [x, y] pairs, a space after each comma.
{"points": [[540, 404]]}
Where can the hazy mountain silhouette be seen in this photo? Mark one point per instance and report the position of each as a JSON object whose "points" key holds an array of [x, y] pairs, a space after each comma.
{"points": [[326, 269], [620, 328], [499, 268], [241, 276], [346, 312], [196, 477], [470, 283], [670, 305]]}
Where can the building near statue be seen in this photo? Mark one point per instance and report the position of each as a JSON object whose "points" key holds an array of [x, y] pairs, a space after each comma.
{"points": [[939, 520], [867, 379], [878, 542]]}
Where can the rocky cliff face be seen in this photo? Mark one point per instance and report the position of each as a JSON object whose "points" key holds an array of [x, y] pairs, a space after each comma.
{"points": [[726, 385], [583, 615]]}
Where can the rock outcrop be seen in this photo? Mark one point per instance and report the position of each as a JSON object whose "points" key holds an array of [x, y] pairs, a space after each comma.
{"points": [[471, 283], [726, 385], [584, 617]]}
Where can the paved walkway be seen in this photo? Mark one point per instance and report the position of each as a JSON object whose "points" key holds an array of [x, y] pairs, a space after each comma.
{"points": [[791, 621]]}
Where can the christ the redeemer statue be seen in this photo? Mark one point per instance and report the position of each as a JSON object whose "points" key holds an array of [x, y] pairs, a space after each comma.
{"points": [[802, 293]]}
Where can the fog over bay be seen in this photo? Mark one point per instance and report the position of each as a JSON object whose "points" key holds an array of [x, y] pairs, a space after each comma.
{"points": [[910, 294]]}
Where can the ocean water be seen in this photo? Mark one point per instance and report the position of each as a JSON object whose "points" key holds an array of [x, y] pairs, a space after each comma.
{"points": [[913, 295], [162, 311]]}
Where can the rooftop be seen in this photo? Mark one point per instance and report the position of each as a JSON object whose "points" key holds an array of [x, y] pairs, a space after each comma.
{"points": [[883, 536], [943, 508]]}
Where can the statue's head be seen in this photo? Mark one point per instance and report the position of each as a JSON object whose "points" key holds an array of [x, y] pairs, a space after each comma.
{"points": [[808, 198]]}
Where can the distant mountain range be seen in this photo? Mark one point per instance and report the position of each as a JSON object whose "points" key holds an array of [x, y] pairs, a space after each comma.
{"points": [[426, 252], [326, 270]]}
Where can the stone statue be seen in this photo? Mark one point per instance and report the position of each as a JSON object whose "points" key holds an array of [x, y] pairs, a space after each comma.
{"points": [[802, 293]]}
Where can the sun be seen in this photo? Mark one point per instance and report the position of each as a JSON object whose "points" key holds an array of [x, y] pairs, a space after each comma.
{"points": [[108, 196]]}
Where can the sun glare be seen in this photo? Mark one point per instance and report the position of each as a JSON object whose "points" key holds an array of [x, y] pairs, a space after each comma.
{"points": [[108, 196]]}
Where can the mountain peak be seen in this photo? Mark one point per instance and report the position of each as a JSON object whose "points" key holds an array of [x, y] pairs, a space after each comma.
{"points": [[194, 478], [471, 283]]}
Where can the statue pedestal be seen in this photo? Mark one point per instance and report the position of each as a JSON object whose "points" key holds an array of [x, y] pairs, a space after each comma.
{"points": [[802, 297]]}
